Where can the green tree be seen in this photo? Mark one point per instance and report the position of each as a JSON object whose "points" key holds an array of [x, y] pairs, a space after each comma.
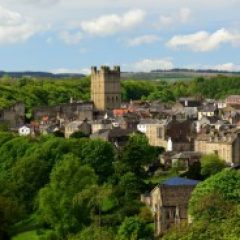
{"points": [[94, 233], [79, 134], [133, 228], [10, 213], [56, 205], [225, 184], [100, 155], [211, 164], [136, 154]]}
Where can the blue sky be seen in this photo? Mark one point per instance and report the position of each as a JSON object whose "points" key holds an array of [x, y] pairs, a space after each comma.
{"points": [[72, 35]]}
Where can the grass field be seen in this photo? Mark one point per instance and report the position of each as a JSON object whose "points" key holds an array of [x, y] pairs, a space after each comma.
{"points": [[31, 235]]}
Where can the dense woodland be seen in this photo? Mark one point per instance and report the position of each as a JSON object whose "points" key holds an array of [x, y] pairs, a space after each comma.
{"points": [[36, 92], [81, 189]]}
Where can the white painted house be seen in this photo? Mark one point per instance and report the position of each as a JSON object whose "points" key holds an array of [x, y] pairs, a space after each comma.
{"points": [[24, 131]]}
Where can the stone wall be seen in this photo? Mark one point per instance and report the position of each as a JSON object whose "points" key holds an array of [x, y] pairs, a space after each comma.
{"points": [[227, 151], [105, 88]]}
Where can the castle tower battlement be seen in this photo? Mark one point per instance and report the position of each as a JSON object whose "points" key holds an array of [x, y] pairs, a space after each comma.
{"points": [[105, 87]]}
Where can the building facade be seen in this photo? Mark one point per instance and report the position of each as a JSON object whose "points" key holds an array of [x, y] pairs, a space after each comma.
{"points": [[178, 134], [105, 88], [169, 203], [225, 144], [13, 116]]}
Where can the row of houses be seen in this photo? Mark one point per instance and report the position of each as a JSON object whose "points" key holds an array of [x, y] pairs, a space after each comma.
{"points": [[189, 125]]}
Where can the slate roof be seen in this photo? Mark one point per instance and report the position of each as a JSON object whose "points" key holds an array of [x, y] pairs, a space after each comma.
{"points": [[178, 181]]}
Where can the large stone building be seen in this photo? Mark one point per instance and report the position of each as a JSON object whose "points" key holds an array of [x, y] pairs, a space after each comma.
{"points": [[169, 202], [105, 88], [225, 143]]}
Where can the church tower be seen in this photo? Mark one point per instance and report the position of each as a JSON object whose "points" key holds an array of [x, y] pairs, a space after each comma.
{"points": [[105, 88]]}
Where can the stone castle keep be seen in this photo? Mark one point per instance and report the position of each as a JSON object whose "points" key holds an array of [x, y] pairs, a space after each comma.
{"points": [[105, 88]]}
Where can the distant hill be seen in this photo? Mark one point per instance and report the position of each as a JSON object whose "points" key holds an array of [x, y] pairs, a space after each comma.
{"points": [[175, 74], [40, 74]]}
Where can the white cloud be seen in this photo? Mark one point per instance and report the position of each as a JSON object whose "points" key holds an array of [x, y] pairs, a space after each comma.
{"points": [[110, 24], [148, 65], [14, 27], [71, 38], [86, 71], [182, 16], [145, 39], [41, 2], [231, 67], [203, 41]]}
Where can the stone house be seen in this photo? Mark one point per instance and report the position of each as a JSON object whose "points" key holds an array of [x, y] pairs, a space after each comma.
{"points": [[187, 106], [101, 124], [143, 124], [230, 114], [129, 120], [169, 203], [117, 136], [208, 110], [77, 126], [178, 134], [223, 142], [65, 112], [183, 159], [233, 101], [13, 116]]}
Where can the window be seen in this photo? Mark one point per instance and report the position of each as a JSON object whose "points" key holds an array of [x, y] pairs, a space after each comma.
{"points": [[160, 133]]}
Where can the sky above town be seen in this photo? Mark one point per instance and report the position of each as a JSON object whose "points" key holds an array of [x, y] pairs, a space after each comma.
{"points": [[139, 35]]}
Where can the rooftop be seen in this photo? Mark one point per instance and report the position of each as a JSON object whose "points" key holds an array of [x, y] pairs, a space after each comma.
{"points": [[178, 181]]}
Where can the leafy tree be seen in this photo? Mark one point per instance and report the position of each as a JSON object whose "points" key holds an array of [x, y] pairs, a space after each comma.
{"points": [[100, 156], [79, 134], [136, 154], [28, 175], [211, 164], [226, 184], [56, 205], [10, 213], [131, 186], [133, 228], [94, 233]]}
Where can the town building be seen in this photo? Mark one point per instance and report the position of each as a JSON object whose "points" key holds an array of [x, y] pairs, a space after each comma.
{"points": [[183, 160], [233, 101], [225, 142], [65, 112], [106, 88], [78, 126], [173, 135], [13, 116], [169, 203], [208, 110], [117, 136], [187, 106]]}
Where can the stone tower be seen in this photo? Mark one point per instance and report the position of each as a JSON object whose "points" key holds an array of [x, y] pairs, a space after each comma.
{"points": [[105, 88]]}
